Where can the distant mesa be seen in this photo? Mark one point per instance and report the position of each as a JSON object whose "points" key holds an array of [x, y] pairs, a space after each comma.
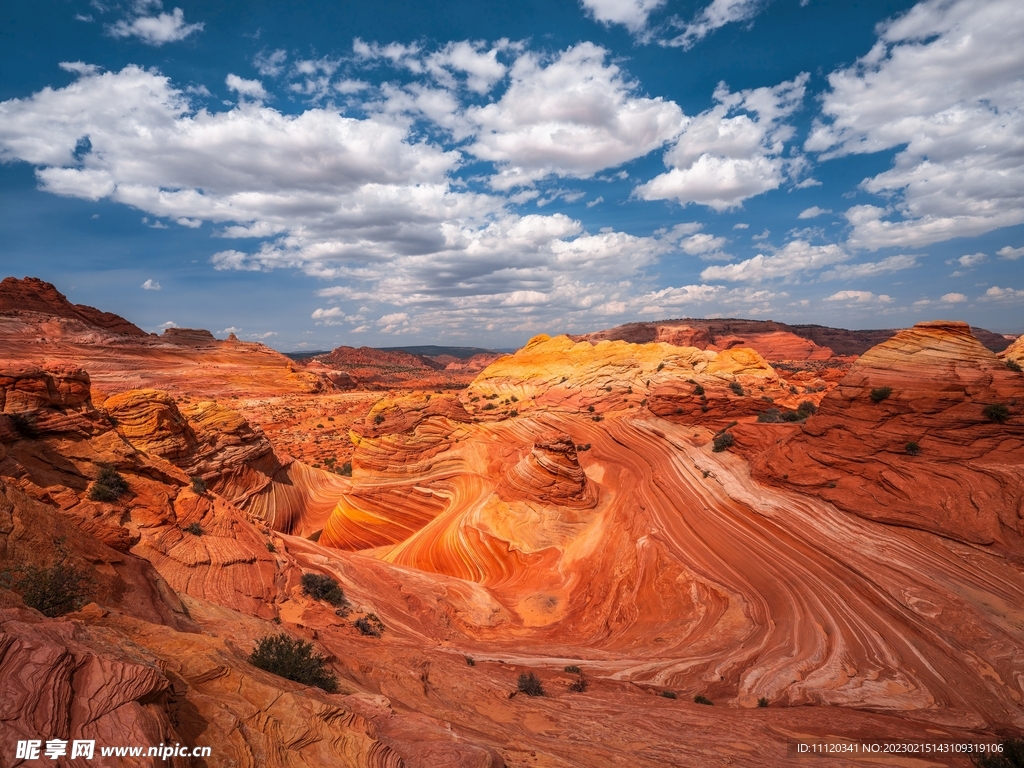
{"points": [[35, 295], [774, 341], [190, 336]]}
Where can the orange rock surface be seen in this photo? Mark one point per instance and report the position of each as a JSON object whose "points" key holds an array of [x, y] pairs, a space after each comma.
{"points": [[526, 537], [926, 455]]}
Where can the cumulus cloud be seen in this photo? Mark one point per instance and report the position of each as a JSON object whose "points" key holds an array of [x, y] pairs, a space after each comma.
{"points": [[996, 293], [1010, 253], [151, 285], [812, 212], [572, 116], [155, 30], [632, 14], [796, 257], [942, 86], [953, 298], [731, 152], [251, 88], [479, 66], [714, 16], [859, 297], [871, 268]]}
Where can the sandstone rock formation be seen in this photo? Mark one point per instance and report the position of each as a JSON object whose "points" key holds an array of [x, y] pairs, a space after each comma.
{"points": [[774, 341], [39, 328], [905, 439]]}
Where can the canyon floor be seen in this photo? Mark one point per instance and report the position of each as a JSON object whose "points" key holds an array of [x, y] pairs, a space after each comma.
{"points": [[818, 532]]}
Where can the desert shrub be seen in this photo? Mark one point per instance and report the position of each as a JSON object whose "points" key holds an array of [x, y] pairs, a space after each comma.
{"points": [[194, 528], [529, 684], [322, 587], [736, 388], [996, 412], [762, 702], [489, 407], [792, 389], [880, 393], [698, 390], [806, 408], [700, 699], [669, 694], [590, 408], [293, 659], [346, 469], [912, 448], [574, 669], [56, 590], [1012, 756], [791, 416], [513, 413], [579, 685], [771, 416], [1013, 365], [331, 418], [661, 366], [108, 486], [470, 661], [721, 442], [370, 625], [596, 417], [378, 419], [270, 547], [199, 485]]}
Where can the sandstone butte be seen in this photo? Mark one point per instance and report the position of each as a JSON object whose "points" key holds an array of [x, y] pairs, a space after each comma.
{"points": [[583, 519]]}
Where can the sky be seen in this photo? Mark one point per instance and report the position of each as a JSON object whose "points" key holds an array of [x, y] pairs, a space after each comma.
{"points": [[474, 173]]}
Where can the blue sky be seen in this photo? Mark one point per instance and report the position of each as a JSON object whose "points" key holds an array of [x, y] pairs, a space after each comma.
{"points": [[316, 174]]}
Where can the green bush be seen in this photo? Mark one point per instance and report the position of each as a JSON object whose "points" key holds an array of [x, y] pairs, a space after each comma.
{"points": [[293, 659], [771, 416], [56, 590], [1013, 365], [762, 702], [996, 412], [109, 485], [698, 390], [912, 448], [806, 408], [529, 684], [346, 469], [378, 419], [1012, 756], [322, 587], [370, 625], [199, 485], [195, 529], [699, 699], [880, 394], [721, 442], [572, 668], [470, 661], [669, 694], [736, 388]]}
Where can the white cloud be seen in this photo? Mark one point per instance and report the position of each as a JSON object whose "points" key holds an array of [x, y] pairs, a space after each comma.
{"points": [[151, 285], [600, 199], [632, 14], [714, 16], [573, 116], [972, 259], [871, 268], [942, 86], [156, 30], [1010, 253], [168, 324], [229, 330], [251, 88], [953, 298], [270, 64], [796, 257], [1003, 294], [480, 67], [741, 226], [812, 212], [859, 297], [731, 152]]}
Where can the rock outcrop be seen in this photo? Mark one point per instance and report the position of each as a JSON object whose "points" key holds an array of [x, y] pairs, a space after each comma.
{"points": [[924, 431], [36, 296]]}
